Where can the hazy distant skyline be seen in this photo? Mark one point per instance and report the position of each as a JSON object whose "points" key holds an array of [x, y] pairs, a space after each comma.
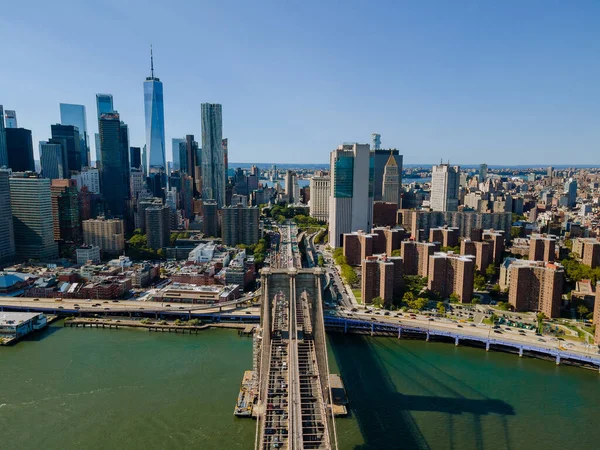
{"points": [[503, 83]]}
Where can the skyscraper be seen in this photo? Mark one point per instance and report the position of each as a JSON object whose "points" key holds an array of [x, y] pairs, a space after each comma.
{"points": [[155, 121], [7, 234], [380, 159], [483, 168], [444, 187], [104, 105], [135, 157], [65, 211], [376, 141], [19, 147], [570, 191], [3, 151], [52, 160], [175, 143], [320, 187], [70, 137], [75, 115], [157, 226], [114, 176], [31, 205], [351, 198], [391, 182], [240, 225], [213, 161], [11, 119]]}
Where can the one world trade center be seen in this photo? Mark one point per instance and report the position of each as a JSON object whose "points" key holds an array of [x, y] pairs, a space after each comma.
{"points": [[155, 130]]}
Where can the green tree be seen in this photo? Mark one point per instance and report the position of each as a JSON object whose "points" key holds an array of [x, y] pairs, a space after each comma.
{"points": [[441, 307], [421, 303], [161, 252], [479, 282], [490, 271], [540, 321], [377, 302], [349, 275], [454, 298], [475, 301], [582, 310], [320, 261], [408, 298], [504, 306], [493, 318], [397, 252]]}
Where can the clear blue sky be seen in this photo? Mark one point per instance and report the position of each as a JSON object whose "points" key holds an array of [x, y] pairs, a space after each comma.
{"points": [[502, 82]]}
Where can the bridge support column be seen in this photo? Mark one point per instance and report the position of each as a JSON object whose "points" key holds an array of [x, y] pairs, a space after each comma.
{"points": [[558, 360], [427, 338], [345, 326], [399, 332], [487, 346], [456, 341], [372, 328], [521, 352]]}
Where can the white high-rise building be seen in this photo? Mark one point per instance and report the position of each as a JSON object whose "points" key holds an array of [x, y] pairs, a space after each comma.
{"points": [[351, 197], [320, 189], [445, 181], [90, 177]]}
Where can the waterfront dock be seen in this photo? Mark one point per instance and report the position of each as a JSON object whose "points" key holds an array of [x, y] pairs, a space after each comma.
{"points": [[150, 326], [339, 399], [247, 396]]}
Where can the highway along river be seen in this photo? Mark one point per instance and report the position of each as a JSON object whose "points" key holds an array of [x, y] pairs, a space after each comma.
{"points": [[71, 388]]}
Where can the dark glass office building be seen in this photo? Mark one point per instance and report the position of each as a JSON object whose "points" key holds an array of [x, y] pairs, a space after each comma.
{"points": [[19, 147], [114, 175], [69, 134], [135, 157]]}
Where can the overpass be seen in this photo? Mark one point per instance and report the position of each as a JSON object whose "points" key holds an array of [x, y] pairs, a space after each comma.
{"points": [[293, 409]]}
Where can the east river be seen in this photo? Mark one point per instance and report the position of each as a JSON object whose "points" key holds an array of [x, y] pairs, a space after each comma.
{"points": [[70, 388]]}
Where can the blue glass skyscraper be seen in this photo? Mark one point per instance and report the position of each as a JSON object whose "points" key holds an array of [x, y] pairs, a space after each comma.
{"points": [[75, 115], [155, 122], [104, 105], [213, 159]]}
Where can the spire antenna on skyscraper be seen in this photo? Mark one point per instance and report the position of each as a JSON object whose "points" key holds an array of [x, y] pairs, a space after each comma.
{"points": [[151, 62]]}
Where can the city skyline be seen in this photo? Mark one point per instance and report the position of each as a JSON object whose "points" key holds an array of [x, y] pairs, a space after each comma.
{"points": [[438, 90]]}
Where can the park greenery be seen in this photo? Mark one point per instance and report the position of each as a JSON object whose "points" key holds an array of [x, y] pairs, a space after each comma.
{"points": [[259, 250], [297, 214], [175, 235], [455, 249], [577, 271], [138, 247], [347, 272], [321, 236], [397, 252]]}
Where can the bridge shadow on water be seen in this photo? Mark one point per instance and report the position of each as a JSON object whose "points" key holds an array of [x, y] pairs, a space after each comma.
{"points": [[385, 416]]}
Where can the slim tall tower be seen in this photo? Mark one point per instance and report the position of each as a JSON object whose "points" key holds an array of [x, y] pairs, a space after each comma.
{"points": [[444, 187], [155, 121], [7, 235], [104, 105], [75, 115], [114, 176], [3, 150], [213, 159]]}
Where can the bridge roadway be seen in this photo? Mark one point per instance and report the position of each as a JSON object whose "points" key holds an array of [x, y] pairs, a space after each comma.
{"points": [[293, 409]]}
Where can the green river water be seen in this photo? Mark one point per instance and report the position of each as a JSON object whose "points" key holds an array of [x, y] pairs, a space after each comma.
{"points": [[109, 389]]}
